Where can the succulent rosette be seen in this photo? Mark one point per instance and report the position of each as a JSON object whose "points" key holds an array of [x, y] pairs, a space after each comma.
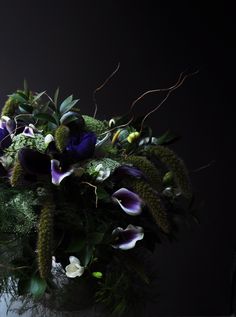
{"points": [[91, 196]]}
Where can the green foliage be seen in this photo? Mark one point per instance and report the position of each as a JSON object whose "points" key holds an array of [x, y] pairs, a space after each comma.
{"points": [[17, 211], [9, 107], [17, 174], [107, 163]]}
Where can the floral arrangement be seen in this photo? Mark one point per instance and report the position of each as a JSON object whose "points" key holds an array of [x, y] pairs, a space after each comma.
{"points": [[83, 200]]}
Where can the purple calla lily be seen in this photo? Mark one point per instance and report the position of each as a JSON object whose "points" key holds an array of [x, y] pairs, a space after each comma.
{"points": [[130, 202], [29, 132], [126, 239], [5, 138], [57, 174], [126, 170], [82, 146], [34, 162]]}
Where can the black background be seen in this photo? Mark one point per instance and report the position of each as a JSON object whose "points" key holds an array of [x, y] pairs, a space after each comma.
{"points": [[77, 44]]}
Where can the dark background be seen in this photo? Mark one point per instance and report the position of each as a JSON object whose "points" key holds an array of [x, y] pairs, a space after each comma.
{"points": [[77, 44]]}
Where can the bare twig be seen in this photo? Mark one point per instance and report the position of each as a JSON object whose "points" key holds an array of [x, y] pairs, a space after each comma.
{"points": [[95, 191], [101, 86]]}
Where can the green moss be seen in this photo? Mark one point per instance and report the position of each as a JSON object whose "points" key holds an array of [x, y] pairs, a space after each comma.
{"points": [[9, 108], [45, 238], [61, 137], [94, 125], [175, 165], [148, 169], [153, 202], [17, 174]]}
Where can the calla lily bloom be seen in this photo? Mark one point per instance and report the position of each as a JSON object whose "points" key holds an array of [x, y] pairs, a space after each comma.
{"points": [[126, 239], [126, 170], [29, 132], [74, 269], [5, 138], [130, 202], [82, 146], [57, 174], [34, 162]]}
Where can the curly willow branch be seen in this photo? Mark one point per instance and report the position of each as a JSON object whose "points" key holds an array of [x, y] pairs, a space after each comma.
{"points": [[101, 86]]}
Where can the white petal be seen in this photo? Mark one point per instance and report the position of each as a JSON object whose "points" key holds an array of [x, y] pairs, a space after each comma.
{"points": [[74, 260]]}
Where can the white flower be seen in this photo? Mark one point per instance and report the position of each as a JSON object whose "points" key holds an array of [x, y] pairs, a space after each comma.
{"points": [[48, 139], [102, 173], [74, 269]]}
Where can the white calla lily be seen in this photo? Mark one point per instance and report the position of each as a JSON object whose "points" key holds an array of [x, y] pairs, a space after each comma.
{"points": [[74, 269]]}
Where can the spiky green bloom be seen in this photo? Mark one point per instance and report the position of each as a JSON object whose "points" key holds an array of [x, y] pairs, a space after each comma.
{"points": [[174, 164], [17, 174], [153, 202], [61, 137], [148, 169], [45, 238], [94, 125], [20, 141], [9, 108]]}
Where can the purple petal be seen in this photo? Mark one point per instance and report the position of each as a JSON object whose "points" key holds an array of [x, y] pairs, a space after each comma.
{"points": [[130, 202], [126, 170], [57, 174], [5, 138], [34, 162], [82, 146], [126, 239], [28, 131]]}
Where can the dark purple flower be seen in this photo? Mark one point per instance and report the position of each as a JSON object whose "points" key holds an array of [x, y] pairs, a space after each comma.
{"points": [[34, 162], [126, 239], [126, 170], [130, 202], [82, 146]]}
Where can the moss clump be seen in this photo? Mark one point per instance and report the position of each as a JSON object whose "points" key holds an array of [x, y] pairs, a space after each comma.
{"points": [[17, 174], [45, 238], [153, 202], [148, 169], [61, 137], [94, 125], [9, 108]]}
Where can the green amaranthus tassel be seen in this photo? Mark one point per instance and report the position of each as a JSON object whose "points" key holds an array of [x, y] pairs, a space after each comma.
{"points": [[153, 202], [92, 124], [45, 238], [174, 164], [149, 170], [62, 137], [9, 108], [17, 174]]}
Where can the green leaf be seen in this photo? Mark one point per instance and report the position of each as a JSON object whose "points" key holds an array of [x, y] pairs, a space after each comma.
{"points": [[17, 97], [26, 108], [67, 119], [167, 137], [67, 104], [46, 117], [25, 117], [38, 96], [87, 254], [37, 286], [26, 88], [76, 245], [55, 99]]}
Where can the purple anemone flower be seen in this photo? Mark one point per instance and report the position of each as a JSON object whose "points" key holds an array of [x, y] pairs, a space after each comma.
{"points": [[126, 239], [34, 162], [126, 170], [130, 202], [57, 173], [82, 146]]}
